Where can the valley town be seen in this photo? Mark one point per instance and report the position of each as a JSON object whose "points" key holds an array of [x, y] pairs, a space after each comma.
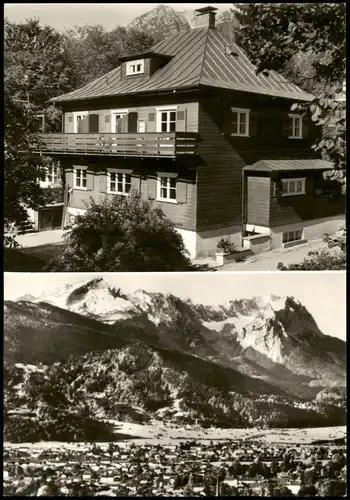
{"points": [[285, 463]]}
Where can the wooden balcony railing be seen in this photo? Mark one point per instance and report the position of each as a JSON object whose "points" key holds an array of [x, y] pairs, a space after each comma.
{"points": [[158, 144]]}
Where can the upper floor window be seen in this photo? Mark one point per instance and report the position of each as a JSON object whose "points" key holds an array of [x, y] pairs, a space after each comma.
{"points": [[52, 175], [79, 118], [41, 122], [135, 67], [296, 126], [240, 122], [293, 186], [167, 121], [166, 188], [116, 122], [118, 182], [80, 177]]}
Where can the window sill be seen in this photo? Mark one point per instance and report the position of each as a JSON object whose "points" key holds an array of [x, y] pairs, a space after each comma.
{"points": [[166, 200], [292, 194], [292, 137], [78, 188], [117, 193], [240, 135]]}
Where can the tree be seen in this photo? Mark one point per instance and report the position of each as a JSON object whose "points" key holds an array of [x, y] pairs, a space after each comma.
{"points": [[276, 35], [122, 234], [95, 51]]}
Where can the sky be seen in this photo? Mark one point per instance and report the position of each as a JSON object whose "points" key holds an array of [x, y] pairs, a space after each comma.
{"points": [[61, 15], [322, 293]]}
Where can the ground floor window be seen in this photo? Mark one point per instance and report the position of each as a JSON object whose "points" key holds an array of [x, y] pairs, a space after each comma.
{"points": [[52, 175], [166, 188], [292, 235], [80, 177], [119, 183], [293, 186]]}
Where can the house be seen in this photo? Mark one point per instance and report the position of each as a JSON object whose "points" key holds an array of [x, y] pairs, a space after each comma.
{"points": [[192, 127]]}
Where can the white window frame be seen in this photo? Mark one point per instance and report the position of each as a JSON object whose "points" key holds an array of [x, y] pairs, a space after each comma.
{"points": [[294, 231], [159, 111], [293, 117], [168, 177], [75, 119], [246, 112], [135, 63], [124, 174], [51, 171], [42, 125], [75, 168], [116, 112], [288, 182]]}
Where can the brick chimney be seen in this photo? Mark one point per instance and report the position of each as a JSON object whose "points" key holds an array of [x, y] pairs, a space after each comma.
{"points": [[206, 17]]}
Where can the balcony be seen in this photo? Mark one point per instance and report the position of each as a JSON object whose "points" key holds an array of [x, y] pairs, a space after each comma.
{"points": [[151, 145]]}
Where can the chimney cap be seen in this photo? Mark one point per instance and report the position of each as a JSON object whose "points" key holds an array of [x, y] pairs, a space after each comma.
{"points": [[205, 10]]}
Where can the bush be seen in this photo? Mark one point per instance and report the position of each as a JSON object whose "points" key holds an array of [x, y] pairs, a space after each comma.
{"points": [[122, 234], [225, 245], [320, 260]]}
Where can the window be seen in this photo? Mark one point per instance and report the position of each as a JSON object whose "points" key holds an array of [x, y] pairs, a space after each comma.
{"points": [[167, 121], [52, 176], [296, 127], [135, 67], [292, 235], [166, 188], [293, 187], [117, 115], [119, 183], [80, 177], [78, 117], [41, 122], [240, 122]]}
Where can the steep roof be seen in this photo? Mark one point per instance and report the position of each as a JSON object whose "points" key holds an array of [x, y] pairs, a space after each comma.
{"points": [[201, 57], [288, 165]]}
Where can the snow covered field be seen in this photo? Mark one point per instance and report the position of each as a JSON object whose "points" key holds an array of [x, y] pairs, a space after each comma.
{"points": [[161, 434]]}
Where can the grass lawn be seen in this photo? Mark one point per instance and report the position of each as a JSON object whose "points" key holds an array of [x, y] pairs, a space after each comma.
{"points": [[32, 259]]}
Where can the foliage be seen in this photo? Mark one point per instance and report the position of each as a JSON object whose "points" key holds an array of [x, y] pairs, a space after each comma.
{"points": [[281, 36], [95, 52], [226, 245], [122, 234], [320, 260]]}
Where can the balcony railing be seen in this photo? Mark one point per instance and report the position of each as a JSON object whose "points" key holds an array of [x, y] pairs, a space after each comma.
{"points": [[158, 144]]}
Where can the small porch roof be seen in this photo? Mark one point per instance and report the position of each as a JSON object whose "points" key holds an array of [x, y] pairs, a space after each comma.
{"points": [[288, 165]]}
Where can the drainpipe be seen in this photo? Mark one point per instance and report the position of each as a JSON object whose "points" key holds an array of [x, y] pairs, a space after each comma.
{"points": [[243, 205]]}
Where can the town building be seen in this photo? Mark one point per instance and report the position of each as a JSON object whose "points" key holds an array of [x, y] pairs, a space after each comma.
{"points": [[192, 127]]}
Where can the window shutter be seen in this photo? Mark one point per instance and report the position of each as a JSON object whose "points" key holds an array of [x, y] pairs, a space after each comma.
{"points": [[123, 124], [83, 125], [94, 123], [151, 117], [227, 122], [132, 122], [70, 119], [253, 123], [305, 127], [90, 180], [107, 118], [181, 121], [152, 188], [287, 126], [181, 191], [103, 182], [135, 185]]}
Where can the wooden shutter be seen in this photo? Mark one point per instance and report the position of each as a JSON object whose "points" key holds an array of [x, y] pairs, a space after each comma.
{"points": [[181, 191], [108, 118], [94, 123], [227, 122], [181, 120], [83, 125], [70, 118], [103, 182], [89, 180], [122, 124], [151, 117], [253, 123], [151, 122], [135, 184], [305, 127], [287, 125], [152, 188], [132, 122]]}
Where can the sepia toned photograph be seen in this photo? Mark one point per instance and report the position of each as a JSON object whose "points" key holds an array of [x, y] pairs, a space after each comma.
{"points": [[174, 137], [199, 384]]}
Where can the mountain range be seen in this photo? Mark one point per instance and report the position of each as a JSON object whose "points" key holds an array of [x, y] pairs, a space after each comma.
{"points": [[248, 361], [163, 21]]}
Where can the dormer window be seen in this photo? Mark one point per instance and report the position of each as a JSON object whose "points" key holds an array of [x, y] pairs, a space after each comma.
{"points": [[135, 67]]}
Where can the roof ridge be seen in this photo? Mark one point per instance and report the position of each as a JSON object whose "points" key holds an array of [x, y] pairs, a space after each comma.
{"points": [[204, 53]]}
